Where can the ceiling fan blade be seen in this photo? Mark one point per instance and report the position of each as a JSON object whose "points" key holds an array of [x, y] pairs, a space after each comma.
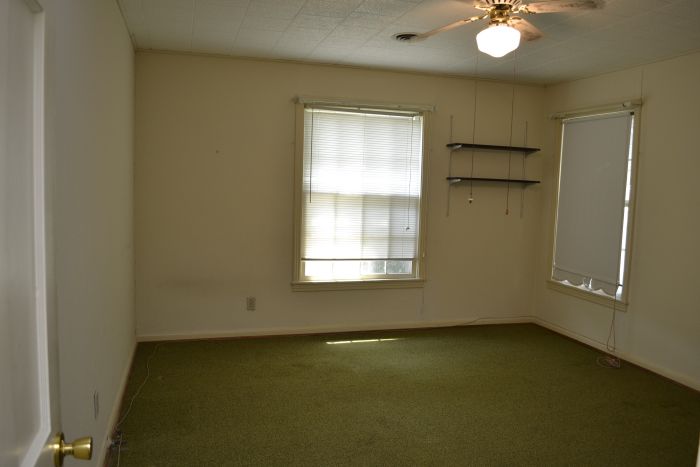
{"points": [[448, 27], [528, 31], [556, 6]]}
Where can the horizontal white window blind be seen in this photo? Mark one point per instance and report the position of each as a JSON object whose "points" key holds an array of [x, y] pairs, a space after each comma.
{"points": [[361, 191], [591, 209]]}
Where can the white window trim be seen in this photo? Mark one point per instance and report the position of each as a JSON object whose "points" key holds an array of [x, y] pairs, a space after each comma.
{"points": [[622, 303], [420, 264]]}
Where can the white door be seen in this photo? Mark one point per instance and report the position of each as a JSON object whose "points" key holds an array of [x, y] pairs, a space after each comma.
{"points": [[28, 414]]}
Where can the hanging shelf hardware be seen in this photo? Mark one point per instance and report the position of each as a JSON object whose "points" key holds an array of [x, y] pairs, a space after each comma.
{"points": [[454, 180], [491, 147], [497, 180]]}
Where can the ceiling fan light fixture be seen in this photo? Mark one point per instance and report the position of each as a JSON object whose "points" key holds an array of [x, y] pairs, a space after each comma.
{"points": [[498, 40]]}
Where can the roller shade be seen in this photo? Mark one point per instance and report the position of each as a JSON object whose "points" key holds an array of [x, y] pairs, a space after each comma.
{"points": [[591, 205]]}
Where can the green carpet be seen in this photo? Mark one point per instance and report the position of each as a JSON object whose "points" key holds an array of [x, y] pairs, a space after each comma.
{"points": [[480, 395]]}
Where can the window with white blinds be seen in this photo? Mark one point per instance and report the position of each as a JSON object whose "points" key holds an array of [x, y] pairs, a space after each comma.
{"points": [[595, 187], [361, 194]]}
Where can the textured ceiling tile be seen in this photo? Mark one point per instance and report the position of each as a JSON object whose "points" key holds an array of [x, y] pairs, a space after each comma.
{"points": [[179, 30], [157, 16], [345, 31], [211, 29], [209, 9], [392, 8], [271, 12], [316, 22], [254, 38], [366, 20], [575, 44], [430, 15], [274, 8], [332, 8], [266, 24], [303, 35], [221, 23]]}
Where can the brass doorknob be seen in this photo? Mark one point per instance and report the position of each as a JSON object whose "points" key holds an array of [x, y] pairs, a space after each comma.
{"points": [[81, 448]]}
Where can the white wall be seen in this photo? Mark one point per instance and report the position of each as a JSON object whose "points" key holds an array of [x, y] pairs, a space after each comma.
{"points": [[89, 145], [661, 328], [213, 200]]}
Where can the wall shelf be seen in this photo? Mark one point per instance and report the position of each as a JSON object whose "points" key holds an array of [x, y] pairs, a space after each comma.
{"points": [[491, 147], [497, 180]]}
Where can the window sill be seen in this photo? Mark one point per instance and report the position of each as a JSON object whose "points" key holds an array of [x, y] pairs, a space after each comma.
{"points": [[590, 296], [358, 285]]}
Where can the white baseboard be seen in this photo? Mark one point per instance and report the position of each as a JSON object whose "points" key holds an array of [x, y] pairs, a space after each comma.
{"points": [[670, 374], [116, 405], [252, 332]]}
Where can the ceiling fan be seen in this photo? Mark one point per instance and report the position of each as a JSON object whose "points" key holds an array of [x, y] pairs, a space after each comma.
{"points": [[505, 29]]}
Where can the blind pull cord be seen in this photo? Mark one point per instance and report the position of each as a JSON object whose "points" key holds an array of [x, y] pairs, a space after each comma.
{"points": [[311, 162]]}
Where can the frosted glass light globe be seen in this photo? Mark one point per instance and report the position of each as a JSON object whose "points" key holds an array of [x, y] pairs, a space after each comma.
{"points": [[498, 40]]}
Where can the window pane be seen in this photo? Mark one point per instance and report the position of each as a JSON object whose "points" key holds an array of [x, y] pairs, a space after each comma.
{"points": [[318, 269], [399, 267], [373, 267], [346, 269]]}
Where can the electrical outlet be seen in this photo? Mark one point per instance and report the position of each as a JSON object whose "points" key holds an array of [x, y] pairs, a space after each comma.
{"points": [[96, 404], [250, 303]]}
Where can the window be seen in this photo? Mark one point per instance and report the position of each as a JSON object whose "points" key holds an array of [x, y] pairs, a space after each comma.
{"points": [[360, 195], [594, 203]]}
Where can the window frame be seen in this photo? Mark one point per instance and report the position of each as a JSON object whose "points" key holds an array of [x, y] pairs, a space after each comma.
{"points": [[618, 303], [298, 283]]}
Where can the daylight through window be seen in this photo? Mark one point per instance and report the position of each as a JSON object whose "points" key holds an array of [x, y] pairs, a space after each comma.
{"points": [[361, 194]]}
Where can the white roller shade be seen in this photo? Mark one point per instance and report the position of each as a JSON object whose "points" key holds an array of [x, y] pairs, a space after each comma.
{"points": [[361, 185], [591, 200]]}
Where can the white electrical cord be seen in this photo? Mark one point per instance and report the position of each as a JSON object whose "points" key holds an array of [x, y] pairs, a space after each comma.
{"points": [[131, 402], [610, 360]]}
